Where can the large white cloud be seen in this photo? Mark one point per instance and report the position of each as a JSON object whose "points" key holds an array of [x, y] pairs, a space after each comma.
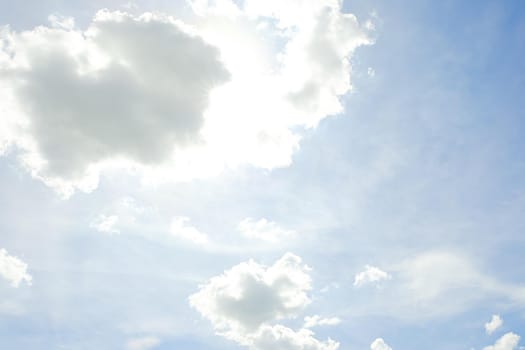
{"points": [[128, 87], [508, 341], [174, 100], [244, 303], [13, 269]]}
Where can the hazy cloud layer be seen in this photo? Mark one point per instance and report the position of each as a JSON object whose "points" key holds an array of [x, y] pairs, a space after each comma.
{"points": [[144, 343]]}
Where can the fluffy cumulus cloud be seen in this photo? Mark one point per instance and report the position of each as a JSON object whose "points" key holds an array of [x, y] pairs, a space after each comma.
{"points": [[169, 99], [264, 230], [181, 229], [144, 343], [379, 344], [371, 274], [245, 302], [127, 87], [13, 270], [495, 323], [508, 341]]}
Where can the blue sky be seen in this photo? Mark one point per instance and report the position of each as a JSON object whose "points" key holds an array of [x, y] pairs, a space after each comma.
{"points": [[150, 198]]}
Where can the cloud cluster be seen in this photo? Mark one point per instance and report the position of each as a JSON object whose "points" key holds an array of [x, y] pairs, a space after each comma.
{"points": [[244, 303], [173, 100], [13, 269]]}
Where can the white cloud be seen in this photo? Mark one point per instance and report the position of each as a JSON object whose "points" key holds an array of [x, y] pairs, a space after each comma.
{"points": [[279, 337], [264, 230], [250, 294], [371, 72], [182, 230], [371, 274], [144, 343], [13, 269], [244, 301], [132, 88], [508, 341], [316, 320], [106, 224], [379, 344], [495, 323], [173, 100]]}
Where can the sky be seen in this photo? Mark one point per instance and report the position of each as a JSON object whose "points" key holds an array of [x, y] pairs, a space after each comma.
{"points": [[262, 175]]}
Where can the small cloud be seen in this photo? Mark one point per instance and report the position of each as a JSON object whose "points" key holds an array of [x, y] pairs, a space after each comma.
{"points": [[316, 320], [371, 274], [508, 341], [61, 22], [333, 285], [106, 224], [371, 72], [379, 344], [13, 269], [495, 323], [144, 343], [181, 229], [264, 230]]}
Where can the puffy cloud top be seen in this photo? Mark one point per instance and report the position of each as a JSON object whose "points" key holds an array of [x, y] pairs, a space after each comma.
{"points": [[508, 341], [379, 344]]}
